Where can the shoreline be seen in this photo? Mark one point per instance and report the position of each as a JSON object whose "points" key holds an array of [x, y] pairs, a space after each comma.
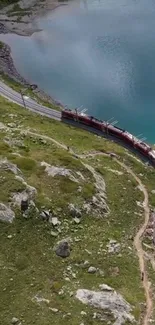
{"points": [[7, 66], [19, 18], [8, 69]]}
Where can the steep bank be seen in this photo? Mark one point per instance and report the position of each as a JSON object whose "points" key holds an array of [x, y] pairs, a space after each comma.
{"points": [[15, 18], [9, 74]]}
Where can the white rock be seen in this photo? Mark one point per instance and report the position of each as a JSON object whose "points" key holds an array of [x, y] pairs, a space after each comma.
{"points": [[54, 221], [105, 287], [61, 171], [41, 299], [76, 220], [54, 234], [6, 165], [14, 320], [9, 236], [92, 269], [107, 300], [83, 313], [55, 310], [6, 214]]}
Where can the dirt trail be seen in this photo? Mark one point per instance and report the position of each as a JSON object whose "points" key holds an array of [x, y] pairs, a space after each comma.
{"points": [[138, 236], [138, 243]]}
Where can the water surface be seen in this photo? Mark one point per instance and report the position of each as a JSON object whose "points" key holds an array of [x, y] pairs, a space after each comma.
{"points": [[99, 54]]}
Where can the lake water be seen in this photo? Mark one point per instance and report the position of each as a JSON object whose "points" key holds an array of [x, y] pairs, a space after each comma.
{"points": [[99, 54]]}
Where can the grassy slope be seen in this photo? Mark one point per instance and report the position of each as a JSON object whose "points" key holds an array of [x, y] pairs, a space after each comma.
{"points": [[28, 264]]}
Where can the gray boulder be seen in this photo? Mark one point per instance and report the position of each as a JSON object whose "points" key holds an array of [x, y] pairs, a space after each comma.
{"points": [[62, 248], [6, 214], [45, 215], [14, 320], [92, 270], [75, 212], [107, 300]]}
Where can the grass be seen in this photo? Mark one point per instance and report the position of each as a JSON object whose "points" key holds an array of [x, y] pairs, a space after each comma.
{"points": [[28, 264], [4, 3], [1, 45]]}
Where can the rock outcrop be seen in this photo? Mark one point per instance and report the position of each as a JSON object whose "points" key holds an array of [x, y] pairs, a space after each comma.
{"points": [[6, 214], [58, 171], [107, 300], [99, 199]]}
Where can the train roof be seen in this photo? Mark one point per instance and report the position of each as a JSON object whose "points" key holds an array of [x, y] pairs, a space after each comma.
{"points": [[152, 153]]}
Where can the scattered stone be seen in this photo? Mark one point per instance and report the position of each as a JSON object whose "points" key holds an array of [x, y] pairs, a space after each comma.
{"points": [[105, 287], [54, 221], [45, 215], [14, 320], [88, 252], [83, 313], [6, 214], [107, 300], [113, 246], [75, 212], [55, 310], [77, 220], [40, 299], [62, 248], [9, 236], [11, 125], [43, 141], [92, 270], [139, 204], [54, 233]]}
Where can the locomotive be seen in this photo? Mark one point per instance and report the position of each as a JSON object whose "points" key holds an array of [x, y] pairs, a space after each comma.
{"points": [[111, 130]]}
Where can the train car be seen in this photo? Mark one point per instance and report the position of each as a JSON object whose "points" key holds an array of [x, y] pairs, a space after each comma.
{"points": [[82, 118], [151, 156], [124, 136], [68, 114], [121, 134], [143, 148]]}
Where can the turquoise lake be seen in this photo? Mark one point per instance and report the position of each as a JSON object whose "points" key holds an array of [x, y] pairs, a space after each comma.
{"points": [[99, 54]]}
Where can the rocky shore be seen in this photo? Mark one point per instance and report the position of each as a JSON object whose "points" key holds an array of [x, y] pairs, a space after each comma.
{"points": [[7, 67], [22, 26], [20, 17]]}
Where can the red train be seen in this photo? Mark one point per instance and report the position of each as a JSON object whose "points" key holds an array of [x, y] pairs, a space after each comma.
{"points": [[143, 148]]}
